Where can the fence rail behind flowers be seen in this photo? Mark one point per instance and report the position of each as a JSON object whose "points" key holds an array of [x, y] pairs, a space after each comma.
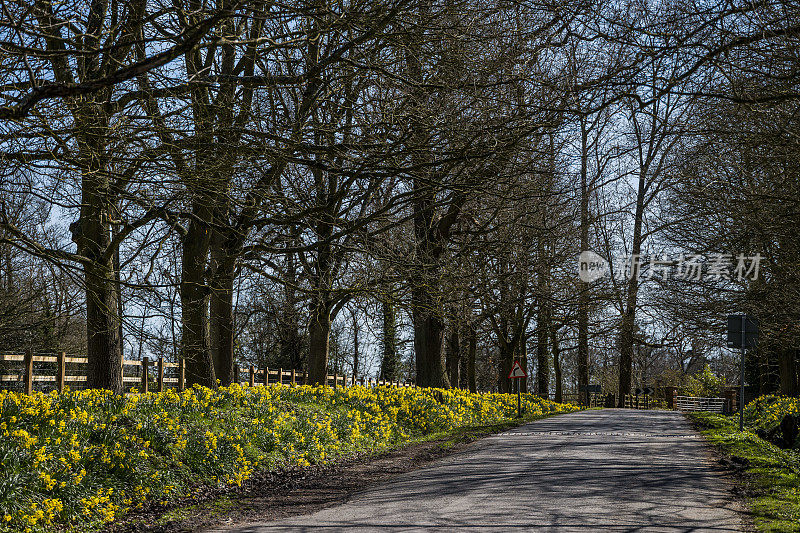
{"points": [[30, 371]]}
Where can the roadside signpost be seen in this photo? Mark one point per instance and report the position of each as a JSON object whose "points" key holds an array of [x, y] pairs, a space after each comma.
{"points": [[518, 373], [742, 333]]}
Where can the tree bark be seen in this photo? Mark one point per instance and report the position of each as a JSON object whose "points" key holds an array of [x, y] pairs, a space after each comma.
{"points": [[428, 338], [559, 396], [194, 301], [542, 355], [506, 361], [104, 344], [356, 361], [92, 235], [471, 355], [221, 325], [583, 287], [453, 355], [628, 325], [319, 334], [389, 340], [788, 372], [289, 323]]}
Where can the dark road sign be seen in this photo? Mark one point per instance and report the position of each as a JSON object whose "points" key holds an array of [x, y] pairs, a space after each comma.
{"points": [[735, 331]]}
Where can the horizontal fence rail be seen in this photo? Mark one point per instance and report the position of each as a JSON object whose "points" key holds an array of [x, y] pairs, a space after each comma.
{"points": [[693, 403], [57, 371], [596, 399]]}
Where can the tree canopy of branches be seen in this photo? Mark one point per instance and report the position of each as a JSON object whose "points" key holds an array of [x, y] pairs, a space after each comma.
{"points": [[399, 187]]}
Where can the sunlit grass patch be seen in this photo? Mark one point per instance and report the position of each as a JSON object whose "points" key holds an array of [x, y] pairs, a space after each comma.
{"points": [[772, 475]]}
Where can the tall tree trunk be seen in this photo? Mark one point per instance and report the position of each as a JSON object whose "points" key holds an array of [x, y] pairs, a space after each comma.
{"points": [[788, 372], [389, 360], [471, 355], [426, 294], [194, 301], [428, 338], [356, 361], [291, 344], [543, 319], [627, 329], [319, 334], [319, 327], [453, 355], [221, 326], [542, 355], [104, 344], [557, 364], [583, 287], [92, 235], [506, 361]]}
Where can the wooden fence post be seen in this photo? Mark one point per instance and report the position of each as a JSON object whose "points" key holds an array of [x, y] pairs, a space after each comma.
{"points": [[280, 376], [145, 365], [252, 380], [335, 380], [61, 376], [293, 377], [181, 374], [28, 371], [160, 374], [266, 376]]}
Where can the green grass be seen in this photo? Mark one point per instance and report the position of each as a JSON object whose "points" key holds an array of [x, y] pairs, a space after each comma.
{"points": [[770, 475]]}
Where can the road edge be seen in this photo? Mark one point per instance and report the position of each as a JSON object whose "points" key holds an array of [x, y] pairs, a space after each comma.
{"points": [[298, 491]]}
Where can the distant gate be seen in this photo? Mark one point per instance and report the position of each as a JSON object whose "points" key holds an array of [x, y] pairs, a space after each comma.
{"points": [[694, 403]]}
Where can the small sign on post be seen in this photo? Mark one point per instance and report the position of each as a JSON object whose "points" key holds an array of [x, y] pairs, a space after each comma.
{"points": [[518, 373], [742, 329], [743, 334]]}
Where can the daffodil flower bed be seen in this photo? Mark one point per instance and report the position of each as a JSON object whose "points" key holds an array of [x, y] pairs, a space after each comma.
{"points": [[766, 412], [81, 458]]}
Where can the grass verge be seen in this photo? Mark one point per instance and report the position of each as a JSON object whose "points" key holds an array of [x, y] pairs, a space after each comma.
{"points": [[770, 476]]}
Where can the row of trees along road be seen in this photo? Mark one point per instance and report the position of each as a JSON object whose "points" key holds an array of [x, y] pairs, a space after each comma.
{"points": [[249, 181]]}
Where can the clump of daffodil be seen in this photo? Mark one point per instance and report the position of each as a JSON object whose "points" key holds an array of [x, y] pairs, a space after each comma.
{"points": [[89, 456], [767, 412]]}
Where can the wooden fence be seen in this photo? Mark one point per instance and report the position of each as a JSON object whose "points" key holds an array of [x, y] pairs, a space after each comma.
{"points": [[150, 375], [596, 399]]}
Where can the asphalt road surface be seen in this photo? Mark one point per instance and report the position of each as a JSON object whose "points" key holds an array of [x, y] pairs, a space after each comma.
{"points": [[609, 470]]}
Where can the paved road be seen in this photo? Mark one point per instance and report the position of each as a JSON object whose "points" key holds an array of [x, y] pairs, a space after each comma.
{"points": [[609, 470]]}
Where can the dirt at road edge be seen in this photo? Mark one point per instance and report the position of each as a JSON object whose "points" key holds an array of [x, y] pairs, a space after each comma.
{"points": [[285, 493]]}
